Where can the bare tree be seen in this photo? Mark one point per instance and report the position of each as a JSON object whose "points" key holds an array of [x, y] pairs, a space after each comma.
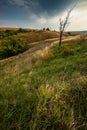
{"points": [[63, 24]]}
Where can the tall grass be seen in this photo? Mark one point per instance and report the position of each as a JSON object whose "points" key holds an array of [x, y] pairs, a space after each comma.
{"points": [[50, 96]]}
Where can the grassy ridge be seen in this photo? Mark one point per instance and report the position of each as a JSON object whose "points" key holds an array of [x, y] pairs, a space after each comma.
{"points": [[50, 96], [31, 35]]}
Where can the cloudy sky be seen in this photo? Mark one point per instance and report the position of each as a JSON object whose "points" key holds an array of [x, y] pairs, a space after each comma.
{"points": [[42, 13]]}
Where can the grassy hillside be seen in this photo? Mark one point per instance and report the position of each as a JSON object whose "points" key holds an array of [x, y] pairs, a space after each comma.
{"points": [[10, 39], [48, 93], [39, 35], [31, 35]]}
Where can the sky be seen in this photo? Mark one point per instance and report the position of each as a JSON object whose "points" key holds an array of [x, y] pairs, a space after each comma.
{"points": [[43, 13]]}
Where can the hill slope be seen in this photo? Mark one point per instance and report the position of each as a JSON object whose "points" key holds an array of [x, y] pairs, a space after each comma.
{"points": [[48, 93], [32, 35]]}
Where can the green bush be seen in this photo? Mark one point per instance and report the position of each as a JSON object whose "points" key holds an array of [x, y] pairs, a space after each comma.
{"points": [[12, 45], [7, 33], [20, 30], [2, 35], [10, 32]]}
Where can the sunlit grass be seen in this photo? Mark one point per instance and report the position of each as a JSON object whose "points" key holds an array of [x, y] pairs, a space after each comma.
{"points": [[51, 95]]}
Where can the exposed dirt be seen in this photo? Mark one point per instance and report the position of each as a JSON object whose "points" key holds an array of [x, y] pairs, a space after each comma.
{"points": [[25, 61], [40, 46]]}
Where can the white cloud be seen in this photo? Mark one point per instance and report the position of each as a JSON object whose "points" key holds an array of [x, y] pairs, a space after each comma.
{"points": [[79, 17], [41, 21], [79, 21]]}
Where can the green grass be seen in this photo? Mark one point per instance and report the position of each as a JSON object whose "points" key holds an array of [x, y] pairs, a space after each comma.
{"points": [[52, 95]]}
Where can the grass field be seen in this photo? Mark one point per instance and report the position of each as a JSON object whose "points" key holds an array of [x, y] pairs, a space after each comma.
{"points": [[49, 93]]}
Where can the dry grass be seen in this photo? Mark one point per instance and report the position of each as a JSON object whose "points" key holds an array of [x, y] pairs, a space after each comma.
{"points": [[7, 28], [11, 28], [35, 35], [39, 35]]}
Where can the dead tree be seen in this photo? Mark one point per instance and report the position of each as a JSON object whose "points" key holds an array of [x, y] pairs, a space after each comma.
{"points": [[63, 24]]}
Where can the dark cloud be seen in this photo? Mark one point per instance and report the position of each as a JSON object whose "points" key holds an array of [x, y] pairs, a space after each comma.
{"points": [[19, 9], [55, 5], [51, 6]]}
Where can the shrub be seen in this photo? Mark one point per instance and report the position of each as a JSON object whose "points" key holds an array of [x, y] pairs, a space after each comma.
{"points": [[2, 35], [10, 32], [69, 33], [13, 45], [47, 29], [44, 29], [20, 30]]}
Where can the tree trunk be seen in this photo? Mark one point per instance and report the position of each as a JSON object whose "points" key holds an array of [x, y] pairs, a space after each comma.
{"points": [[60, 38]]}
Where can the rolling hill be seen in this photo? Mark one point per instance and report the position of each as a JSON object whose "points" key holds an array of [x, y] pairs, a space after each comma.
{"points": [[45, 88]]}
